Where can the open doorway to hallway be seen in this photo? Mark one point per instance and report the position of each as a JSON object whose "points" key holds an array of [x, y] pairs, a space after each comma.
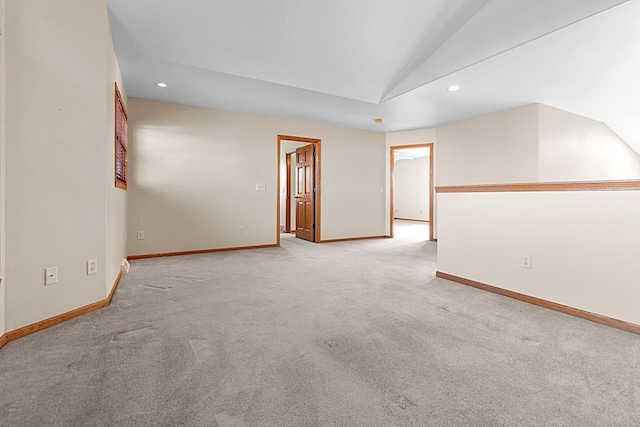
{"points": [[411, 195], [411, 231], [299, 187]]}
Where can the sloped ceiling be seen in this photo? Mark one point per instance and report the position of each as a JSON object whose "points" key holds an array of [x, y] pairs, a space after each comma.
{"points": [[348, 62]]}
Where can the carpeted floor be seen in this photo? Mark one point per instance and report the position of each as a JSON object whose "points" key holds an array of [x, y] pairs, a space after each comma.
{"points": [[342, 334]]}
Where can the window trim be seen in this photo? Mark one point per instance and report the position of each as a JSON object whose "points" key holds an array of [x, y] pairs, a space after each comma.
{"points": [[119, 102]]}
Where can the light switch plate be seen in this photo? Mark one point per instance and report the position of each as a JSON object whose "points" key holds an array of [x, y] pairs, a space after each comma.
{"points": [[50, 275]]}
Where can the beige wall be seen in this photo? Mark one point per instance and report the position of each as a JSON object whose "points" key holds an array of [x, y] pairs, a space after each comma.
{"points": [[60, 70], [3, 109], [116, 233], [575, 148], [583, 246], [194, 172], [493, 149], [411, 188]]}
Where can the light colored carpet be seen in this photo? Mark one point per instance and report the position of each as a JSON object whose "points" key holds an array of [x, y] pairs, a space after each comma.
{"points": [[343, 334]]}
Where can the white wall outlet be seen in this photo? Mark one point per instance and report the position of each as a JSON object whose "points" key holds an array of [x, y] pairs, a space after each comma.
{"points": [[50, 275], [241, 230], [353, 222], [140, 235], [261, 187], [92, 266], [525, 261]]}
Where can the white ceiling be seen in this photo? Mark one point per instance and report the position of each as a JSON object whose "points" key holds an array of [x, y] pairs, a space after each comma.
{"points": [[347, 62]]}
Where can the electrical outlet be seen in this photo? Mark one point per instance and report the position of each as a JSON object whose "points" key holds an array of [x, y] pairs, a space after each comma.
{"points": [[140, 235], [50, 275], [125, 266], [353, 222], [525, 261], [92, 266], [241, 230]]}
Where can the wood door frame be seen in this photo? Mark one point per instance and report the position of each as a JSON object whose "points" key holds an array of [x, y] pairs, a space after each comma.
{"points": [[318, 145], [392, 150], [287, 186]]}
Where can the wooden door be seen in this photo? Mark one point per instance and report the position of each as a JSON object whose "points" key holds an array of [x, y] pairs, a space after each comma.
{"points": [[305, 192]]}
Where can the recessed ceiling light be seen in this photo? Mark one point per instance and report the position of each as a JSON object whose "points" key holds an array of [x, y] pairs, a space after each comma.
{"points": [[378, 120], [160, 84], [454, 88]]}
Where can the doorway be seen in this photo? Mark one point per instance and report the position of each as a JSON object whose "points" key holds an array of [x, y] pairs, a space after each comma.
{"points": [[411, 154], [299, 194]]}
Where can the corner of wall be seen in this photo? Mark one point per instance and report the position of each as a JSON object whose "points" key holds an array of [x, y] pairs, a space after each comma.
{"points": [[34, 237], [539, 108], [573, 147], [2, 165], [116, 198]]}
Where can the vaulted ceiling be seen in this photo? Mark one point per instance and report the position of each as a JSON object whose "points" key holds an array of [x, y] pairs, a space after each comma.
{"points": [[348, 62]]}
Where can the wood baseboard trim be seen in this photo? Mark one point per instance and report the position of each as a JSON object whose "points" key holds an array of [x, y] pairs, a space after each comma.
{"points": [[200, 251], [113, 288], [598, 318], [412, 219], [44, 324], [350, 239], [623, 185]]}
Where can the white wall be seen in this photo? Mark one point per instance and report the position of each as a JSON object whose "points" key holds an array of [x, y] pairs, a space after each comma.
{"points": [[583, 244], [575, 148], [193, 174], [59, 70], [411, 188]]}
